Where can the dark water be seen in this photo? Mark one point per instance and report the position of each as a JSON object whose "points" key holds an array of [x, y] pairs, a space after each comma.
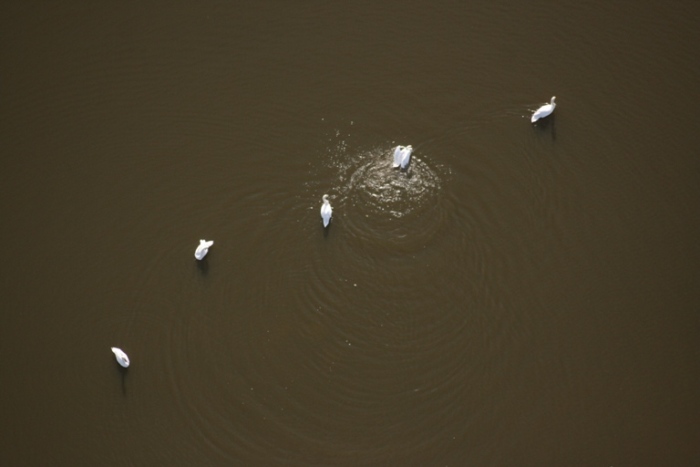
{"points": [[525, 295]]}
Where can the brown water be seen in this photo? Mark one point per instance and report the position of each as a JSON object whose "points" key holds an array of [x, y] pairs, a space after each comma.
{"points": [[526, 295]]}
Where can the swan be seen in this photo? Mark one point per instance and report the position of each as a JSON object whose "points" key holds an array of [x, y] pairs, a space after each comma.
{"points": [[326, 211], [544, 110], [402, 156], [122, 358], [202, 249]]}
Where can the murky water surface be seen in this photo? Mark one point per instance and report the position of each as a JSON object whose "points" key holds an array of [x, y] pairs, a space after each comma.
{"points": [[521, 295]]}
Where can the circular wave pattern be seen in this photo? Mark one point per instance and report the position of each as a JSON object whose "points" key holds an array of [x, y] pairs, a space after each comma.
{"points": [[384, 203]]}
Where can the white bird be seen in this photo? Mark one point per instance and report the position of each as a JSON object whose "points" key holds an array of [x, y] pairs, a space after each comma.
{"points": [[202, 249], [402, 156], [326, 211], [544, 111], [122, 358]]}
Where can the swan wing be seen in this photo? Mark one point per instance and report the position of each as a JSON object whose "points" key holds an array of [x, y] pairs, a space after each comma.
{"points": [[406, 156], [121, 357], [398, 155], [542, 112], [203, 248], [326, 213]]}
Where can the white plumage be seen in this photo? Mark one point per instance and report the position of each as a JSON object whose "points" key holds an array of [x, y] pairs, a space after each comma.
{"points": [[402, 156], [326, 211], [544, 111], [202, 249], [122, 358]]}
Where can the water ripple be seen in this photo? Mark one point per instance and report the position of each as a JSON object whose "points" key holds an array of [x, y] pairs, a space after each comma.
{"points": [[390, 206]]}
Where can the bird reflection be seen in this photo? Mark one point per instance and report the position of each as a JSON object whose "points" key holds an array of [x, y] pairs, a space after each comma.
{"points": [[548, 126], [123, 371], [203, 267]]}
